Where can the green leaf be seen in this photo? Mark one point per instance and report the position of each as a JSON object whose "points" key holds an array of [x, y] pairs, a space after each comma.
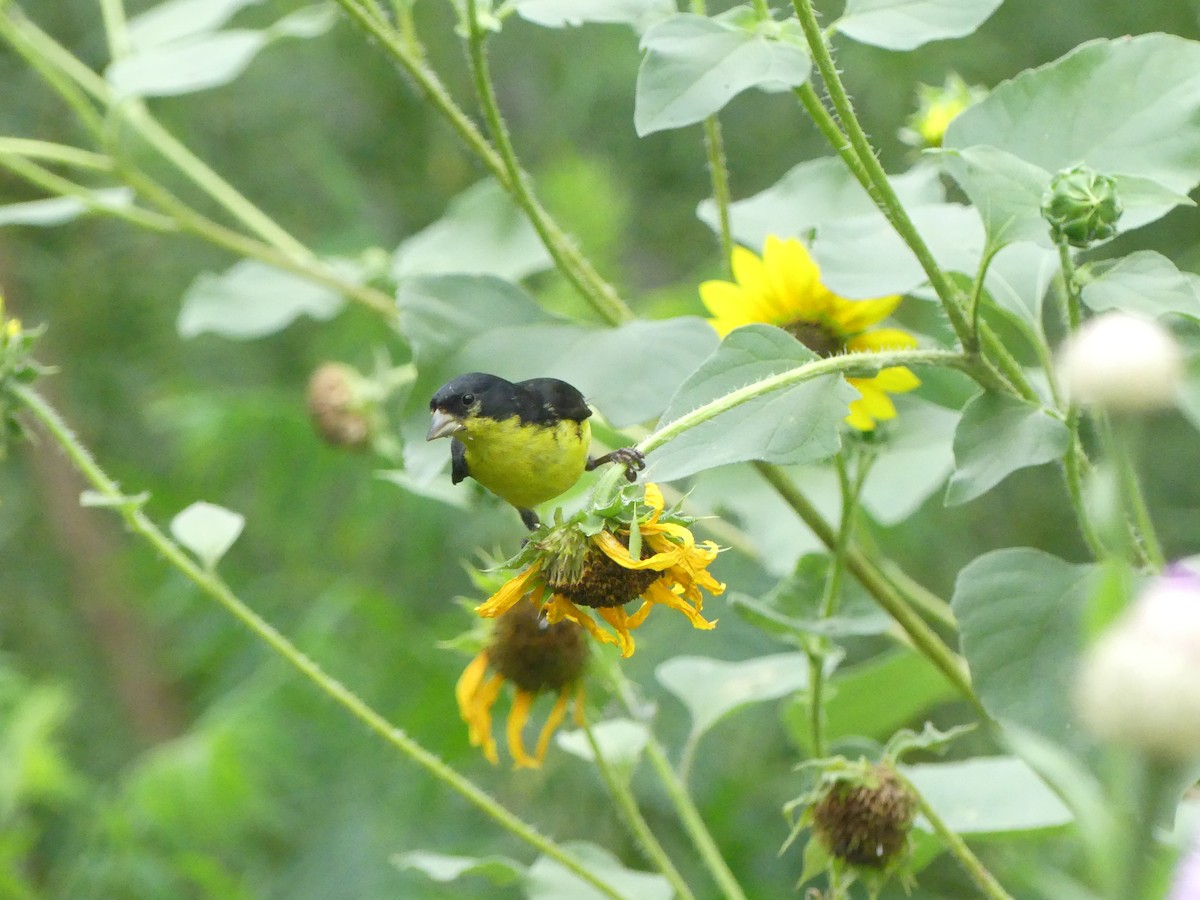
{"points": [[912, 463], [621, 742], [864, 701], [460, 323], [1018, 279], [812, 193], [562, 13], [484, 219], [793, 425], [989, 795], [59, 210], [207, 530], [1129, 106], [252, 300], [548, 880], [178, 19], [864, 257], [204, 60], [444, 868], [1145, 283], [1019, 615], [695, 65], [906, 24], [711, 688], [1006, 191], [997, 435]]}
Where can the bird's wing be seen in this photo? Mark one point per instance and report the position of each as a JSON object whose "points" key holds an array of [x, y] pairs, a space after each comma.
{"points": [[458, 461], [550, 400]]}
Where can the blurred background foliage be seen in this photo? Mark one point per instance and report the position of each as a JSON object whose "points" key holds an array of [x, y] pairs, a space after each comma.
{"points": [[148, 747]]}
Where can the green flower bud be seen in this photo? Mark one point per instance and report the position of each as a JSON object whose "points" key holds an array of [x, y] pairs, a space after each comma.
{"points": [[1081, 206]]}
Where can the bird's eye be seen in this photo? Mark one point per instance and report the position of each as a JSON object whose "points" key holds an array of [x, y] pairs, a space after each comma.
{"points": [[467, 399]]}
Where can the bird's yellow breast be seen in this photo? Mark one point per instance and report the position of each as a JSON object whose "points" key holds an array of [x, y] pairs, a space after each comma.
{"points": [[523, 464]]}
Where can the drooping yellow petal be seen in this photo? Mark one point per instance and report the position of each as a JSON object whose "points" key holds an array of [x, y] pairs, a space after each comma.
{"points": [[616, 617], [640, 616], [857, 315], [619, 553], [478, 715], [881, 339], [653, 497], [553, 721], [560, 608], [508, 595], [659, 593], [468, 684], [517, 717]]}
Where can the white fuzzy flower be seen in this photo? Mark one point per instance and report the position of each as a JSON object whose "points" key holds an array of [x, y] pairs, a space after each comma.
{"points": [[1121, 363], [1139, 684]]}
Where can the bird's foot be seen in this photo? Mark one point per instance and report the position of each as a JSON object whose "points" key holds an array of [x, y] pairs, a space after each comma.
{"points": [[631, 458]]}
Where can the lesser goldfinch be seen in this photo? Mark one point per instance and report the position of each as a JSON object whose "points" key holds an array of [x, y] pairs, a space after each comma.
{"points": [[526, 442]]}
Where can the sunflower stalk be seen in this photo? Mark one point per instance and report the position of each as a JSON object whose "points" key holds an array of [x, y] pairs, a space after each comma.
{"points": [[970, 863], [130, 510], [639, 828], [865, 571], [676, 790]]}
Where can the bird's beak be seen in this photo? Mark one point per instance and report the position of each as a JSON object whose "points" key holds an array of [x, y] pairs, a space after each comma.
{"points": [[443, 425]]}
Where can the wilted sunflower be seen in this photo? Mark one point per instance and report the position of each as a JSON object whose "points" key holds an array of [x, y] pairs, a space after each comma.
{"points": [[784, 288], [534, 656], [577, 564]]}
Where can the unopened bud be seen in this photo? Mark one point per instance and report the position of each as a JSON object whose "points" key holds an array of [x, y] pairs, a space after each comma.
{"points": [[1122, 363], [336, 403], [937, 107], [1139, 684], [1081, 206]]}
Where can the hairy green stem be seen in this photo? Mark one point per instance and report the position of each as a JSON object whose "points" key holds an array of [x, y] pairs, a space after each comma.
{"points": [[718, 173], [130, 510], [626, 803], [879, 187], [923, 638], [970, 863], [850, 490], [858, 364]]}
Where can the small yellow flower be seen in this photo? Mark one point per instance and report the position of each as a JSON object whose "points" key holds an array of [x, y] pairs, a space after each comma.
{"points": [[598, 571], [937, 107], [536, 657], [784, 288]]}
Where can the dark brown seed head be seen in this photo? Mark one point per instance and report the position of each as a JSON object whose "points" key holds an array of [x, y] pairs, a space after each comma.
{"points": [[535, 655]]}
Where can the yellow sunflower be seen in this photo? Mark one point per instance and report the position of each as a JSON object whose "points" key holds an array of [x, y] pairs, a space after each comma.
{"points": [[536, 657], [784, 288], [599, 571]]}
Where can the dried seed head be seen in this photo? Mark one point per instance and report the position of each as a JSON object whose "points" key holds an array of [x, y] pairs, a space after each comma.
{"points": [[601, 582], [865, 821], [336, 406], [535, 655]]}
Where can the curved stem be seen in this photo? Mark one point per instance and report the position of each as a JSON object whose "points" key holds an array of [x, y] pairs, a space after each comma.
{"points": [[627, 806], [130, 510], [923, 638], [859, 364], [970, 863], [63, 154]]}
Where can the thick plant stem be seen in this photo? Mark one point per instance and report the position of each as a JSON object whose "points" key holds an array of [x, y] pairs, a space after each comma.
{"points": [[971, 864], [639, 828], [129, 508], [924, 638]]}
